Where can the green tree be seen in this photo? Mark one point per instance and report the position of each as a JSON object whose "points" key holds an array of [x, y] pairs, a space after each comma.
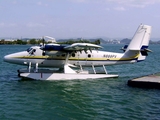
{"points": [[98, 42], [24, 42], [33, 41], [19, 41], [2, 41]]}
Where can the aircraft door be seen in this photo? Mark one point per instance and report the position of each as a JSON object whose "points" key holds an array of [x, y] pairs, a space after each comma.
{"points": [[84, 58]]}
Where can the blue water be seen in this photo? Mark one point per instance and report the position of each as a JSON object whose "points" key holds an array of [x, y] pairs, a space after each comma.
{"points": [[76, 100]]}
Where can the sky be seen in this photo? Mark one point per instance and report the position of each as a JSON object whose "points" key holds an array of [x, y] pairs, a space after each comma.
{"points": [[77, 18]]}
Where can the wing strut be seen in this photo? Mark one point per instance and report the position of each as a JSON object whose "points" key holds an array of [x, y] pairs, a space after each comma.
{"points": [[67, 69], [67, 57]]}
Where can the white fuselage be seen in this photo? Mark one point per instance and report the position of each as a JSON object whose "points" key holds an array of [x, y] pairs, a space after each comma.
{"points": [[58, 58]]}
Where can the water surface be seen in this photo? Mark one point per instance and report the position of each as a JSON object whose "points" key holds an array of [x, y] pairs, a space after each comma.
{"points": [[92, 99]]}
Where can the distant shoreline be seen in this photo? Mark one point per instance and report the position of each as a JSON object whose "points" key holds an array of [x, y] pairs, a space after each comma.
{"points": [[69, 41]]}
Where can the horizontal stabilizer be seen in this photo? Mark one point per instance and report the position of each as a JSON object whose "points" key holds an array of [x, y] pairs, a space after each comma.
{"points": [[124, 48]]}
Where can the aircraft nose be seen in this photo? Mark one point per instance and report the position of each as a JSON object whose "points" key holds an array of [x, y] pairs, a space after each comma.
{"points": [[15, 57], [7, 58]]}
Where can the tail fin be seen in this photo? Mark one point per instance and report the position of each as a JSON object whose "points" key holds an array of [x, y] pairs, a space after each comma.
{"points": [[139, 43]]}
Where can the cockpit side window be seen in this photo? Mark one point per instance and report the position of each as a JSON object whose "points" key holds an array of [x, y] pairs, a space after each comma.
{"points": [[29, 49], [34, 50]]}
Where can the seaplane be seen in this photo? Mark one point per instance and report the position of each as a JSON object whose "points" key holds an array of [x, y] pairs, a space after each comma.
{"points": [[67, 62]]}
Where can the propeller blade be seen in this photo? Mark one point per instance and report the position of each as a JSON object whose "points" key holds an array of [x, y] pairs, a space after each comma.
{"points": [[43, 40], [43, 45]]}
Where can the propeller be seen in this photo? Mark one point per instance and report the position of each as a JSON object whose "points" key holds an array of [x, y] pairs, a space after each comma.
{"points": [[43, 41], [43, 45]]}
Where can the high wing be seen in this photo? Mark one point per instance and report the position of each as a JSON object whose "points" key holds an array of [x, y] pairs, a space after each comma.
{"points": [[81, 46], [49, 49]]}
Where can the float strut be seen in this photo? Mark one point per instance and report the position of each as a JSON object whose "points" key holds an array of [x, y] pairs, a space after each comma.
{"points": [[36, 70], [104, 69], [81, 67], [94, 69], [29, 67]]}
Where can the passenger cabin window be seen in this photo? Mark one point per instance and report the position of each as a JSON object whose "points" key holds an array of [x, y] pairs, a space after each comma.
{"points": [[63, 55], [89, 55], [73, 54]]}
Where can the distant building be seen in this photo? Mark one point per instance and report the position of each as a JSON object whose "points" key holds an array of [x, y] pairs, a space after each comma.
{"points": [[9, 40]]}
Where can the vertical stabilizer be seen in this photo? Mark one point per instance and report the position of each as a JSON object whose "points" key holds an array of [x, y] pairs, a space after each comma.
{"points": [[139, 43], [141, 38]]}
